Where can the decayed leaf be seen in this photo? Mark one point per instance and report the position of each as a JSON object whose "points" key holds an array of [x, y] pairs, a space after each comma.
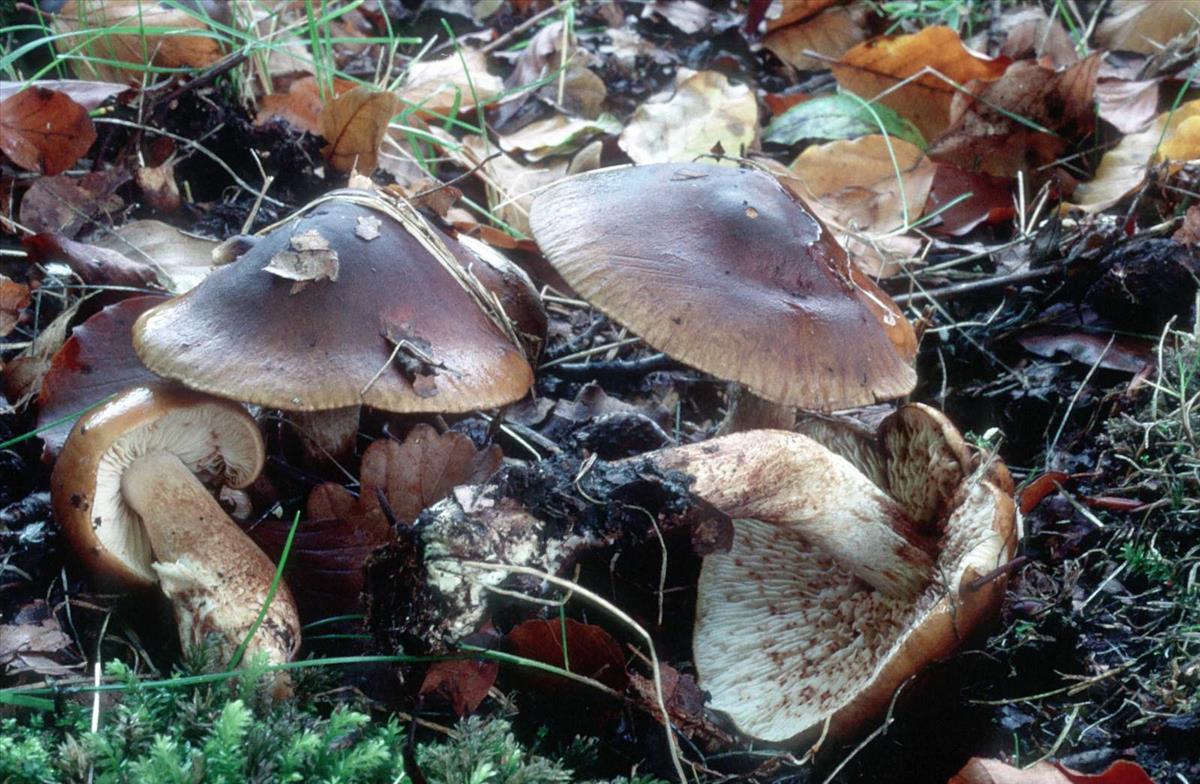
{"points": [[62, 204], [1189, 232], [1123, 169], [143, 33], [510, 186], [881, 64], [1031, 34], [1127, 106], [688, 16], [986, 135], [300, 104], [24, 647], [44, 130], [462, 684], [88, 94], [451, 84], [1125, 354], [353, 124], [182, 260], [962, 200], [857, 188], [705, 111], [685, 705], [590, 651], [988, 771], [94, 265], [158, 186], [308, 258], [14, 297], [96, 361], [1138, 26], [813, 43], [557, 135], [23, 375], [839, 116]]}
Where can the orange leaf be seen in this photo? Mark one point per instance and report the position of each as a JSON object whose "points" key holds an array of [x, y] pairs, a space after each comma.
{"points": [[353, 124], [590, 651], [883, 63], [1043, 485], [44, 131], [988, 771], [828, 34], [14, 297]]}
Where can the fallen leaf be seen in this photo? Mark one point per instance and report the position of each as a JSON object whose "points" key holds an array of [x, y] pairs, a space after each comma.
{"points": [[182, 260], [1173, 137], [308, 258], [814, 42], [1128, 106], [589, 651], [354, 124], [840, 116], [1125, 354], [93, 265], [511, 186], [439, 88], [685, 705], [988, 771], [780, 15], [1138, 26], [557, 135], [139, 34], [1041, 486], [985, 134], [860, 189], [462, 684], [24, 647], [44, 130], [919, 61], [98, 360], [14, 297], [87, 94], [687, 16], [23, 375], [62, 204], [705, 110], [963, 200], [159, 187], [1188, 232], [367, 227], [1032, 35]]}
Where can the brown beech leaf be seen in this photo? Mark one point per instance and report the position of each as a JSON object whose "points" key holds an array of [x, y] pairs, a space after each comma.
{"points": [[704, 111], [438, 86], [973, 198], [685, 705], [14, 297], [353, 124], [62, 204], [988, 771], [1188, 232], [1138, 26], [1041, 486], [985, 134], [590, 652], [512, 185], [299, 105], [1128, 106], [181, 260], [87, 94], [23, 375], [33, 647], [883, 63], [95, 266], [137, 33], [96, 361], [44, 130], [462, 684], [1031, 34], [1125, 354], [812, 43]]}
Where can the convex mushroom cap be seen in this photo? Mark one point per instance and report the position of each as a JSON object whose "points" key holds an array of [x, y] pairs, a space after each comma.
{"points": [[788, 638], [725, 270], [128, 492], [342, 305]]}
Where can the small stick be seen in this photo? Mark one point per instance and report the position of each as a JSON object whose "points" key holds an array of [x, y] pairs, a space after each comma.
{"points": [[972, 286]]}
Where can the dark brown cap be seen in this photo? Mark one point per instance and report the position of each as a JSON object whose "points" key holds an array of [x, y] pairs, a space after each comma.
{"points": [[723, 269]]}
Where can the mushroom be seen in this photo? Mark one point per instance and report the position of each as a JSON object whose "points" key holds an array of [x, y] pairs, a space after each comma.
{"points": [[787, 640], [725, 270], [354, 300], [128, 491]]}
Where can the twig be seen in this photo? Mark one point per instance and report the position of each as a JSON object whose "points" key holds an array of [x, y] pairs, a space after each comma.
{"points": [[513, 33], [973, 286], [579, 371]]}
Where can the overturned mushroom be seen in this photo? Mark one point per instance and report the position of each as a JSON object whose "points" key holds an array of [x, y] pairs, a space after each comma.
{"points": [[355, 300], [723, 269], [786, 639], [129, 493]]}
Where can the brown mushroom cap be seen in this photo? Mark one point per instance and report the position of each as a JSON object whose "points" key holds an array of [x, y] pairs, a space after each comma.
{"points": [[786, 639], [216, 439], [723, 269], [251, 335]]}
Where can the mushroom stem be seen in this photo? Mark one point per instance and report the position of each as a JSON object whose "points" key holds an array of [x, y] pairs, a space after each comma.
{"points": [[215, 576], [790, 480], [747, 411]]}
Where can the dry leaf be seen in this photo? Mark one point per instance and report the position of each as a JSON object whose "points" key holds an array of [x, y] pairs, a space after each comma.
{"points": [[462, 684], [687, 16], [511, 186], [988, 771], [23, 375], [138, 37], [87, 94], [93, 265], [98, 360], [62, 204], [962, 200], [24, 648], [854, 187], [1188, 232], [985, 134], [367, 227], [14, 297], [158, 186], [812, 44], [706, 111], [557, 135], [307, 259], [883, 63], [1125, 354], [1030, 34], [1138, 26], [439, 86], [181, 260], [590, 651], [353, 124], [44, 130], [1127, 106], [1123, 169]]}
